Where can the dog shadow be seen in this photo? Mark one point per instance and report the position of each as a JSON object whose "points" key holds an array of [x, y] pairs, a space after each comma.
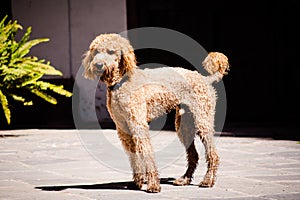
{"points": [[127, 185]]}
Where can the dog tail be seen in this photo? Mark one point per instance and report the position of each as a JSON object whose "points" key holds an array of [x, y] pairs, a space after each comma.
{"points": [[217, 65]]}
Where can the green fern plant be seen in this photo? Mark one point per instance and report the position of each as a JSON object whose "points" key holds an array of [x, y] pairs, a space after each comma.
{"points": [[19, 73]]}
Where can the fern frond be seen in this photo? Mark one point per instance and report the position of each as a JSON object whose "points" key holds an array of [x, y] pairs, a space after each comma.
{"points": [[59, 89], [30, 80], [44, 68], [24, 48], [5, 106], [17, 98], [2, 22], [21, 99], [44, 96]]}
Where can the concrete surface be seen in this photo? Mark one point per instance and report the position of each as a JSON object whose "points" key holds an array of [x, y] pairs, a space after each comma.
{"points": [[60, 164]]}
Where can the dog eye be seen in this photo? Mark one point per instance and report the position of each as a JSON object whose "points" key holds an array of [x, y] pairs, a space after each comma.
{"points": [[110, 52]]}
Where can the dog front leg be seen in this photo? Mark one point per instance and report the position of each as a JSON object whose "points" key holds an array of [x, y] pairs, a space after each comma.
{"points": [[129, 146], [141, 157], [144, 164]]}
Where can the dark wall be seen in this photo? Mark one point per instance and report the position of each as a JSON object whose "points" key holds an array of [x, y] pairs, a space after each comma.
{"points": [[5, 9], [260, 39]]}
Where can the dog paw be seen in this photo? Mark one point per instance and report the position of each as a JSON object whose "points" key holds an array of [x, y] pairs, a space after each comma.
{"points": [[138, 180], [208, 180], [153, 188], [206, 183], [138, 185], [182, 181], [134, 186]]}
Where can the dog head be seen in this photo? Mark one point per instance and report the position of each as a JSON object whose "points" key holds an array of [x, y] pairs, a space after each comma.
{"points": [[109, 58]]}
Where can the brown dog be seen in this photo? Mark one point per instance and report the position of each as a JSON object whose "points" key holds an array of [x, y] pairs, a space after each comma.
{"points": [[135, 97]]}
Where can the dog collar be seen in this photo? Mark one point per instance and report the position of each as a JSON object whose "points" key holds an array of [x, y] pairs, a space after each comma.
{"points": [[115, 86], [118, 84]]}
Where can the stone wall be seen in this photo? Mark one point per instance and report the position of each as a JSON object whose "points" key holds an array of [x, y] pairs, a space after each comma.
{"points": [[71, 25]]}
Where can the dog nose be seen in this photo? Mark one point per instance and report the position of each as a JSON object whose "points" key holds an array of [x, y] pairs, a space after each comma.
{"points": [[99, 65]]}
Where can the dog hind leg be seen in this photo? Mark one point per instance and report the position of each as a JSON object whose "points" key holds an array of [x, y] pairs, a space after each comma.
{"points": [[184, 125], [192, 158], [212, 159]]}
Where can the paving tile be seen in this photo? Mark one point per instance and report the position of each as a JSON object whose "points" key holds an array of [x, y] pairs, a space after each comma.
{"points": [[293, 196], [56, 164]]}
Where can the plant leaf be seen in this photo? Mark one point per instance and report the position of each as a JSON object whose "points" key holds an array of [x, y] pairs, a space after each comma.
{"points": [[4, 103], [24, 49], [59, 89], [44, 96], [44, 68]]}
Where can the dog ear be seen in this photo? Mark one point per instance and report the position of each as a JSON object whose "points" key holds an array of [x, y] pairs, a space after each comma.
{"points": [[86, 62], [127, 62]]}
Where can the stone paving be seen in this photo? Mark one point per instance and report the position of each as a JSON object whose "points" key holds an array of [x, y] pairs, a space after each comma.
{"points": [[66, 164]]}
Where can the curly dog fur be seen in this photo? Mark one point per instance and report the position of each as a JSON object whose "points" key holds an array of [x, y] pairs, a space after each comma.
{"points": [[135, 97]]}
